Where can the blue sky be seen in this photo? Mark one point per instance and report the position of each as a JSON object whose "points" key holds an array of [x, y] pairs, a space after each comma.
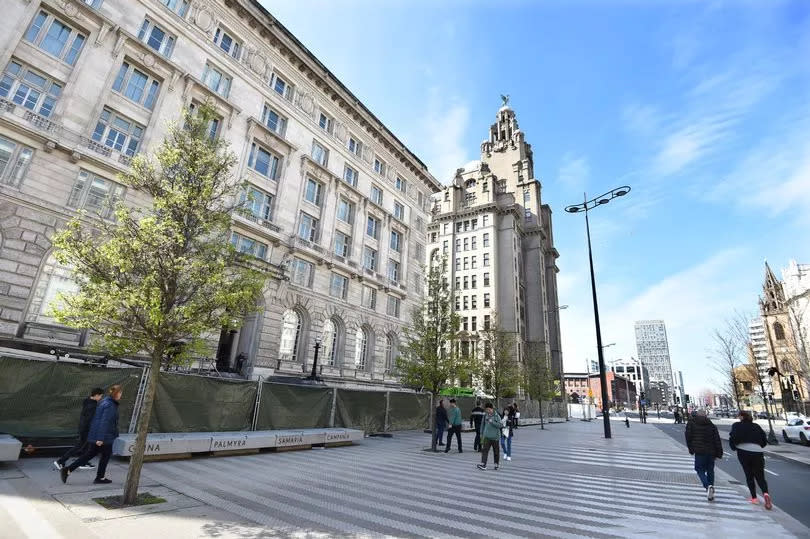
{"points": [[702, 107]]}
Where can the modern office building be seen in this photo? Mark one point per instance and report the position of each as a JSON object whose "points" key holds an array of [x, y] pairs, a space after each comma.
{"points": [[653, 351], [633, 371], [340, 204], [496, 234]]}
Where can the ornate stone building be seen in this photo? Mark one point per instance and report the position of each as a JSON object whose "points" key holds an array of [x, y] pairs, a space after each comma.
{"points": [[340, 204], [497, 236]]}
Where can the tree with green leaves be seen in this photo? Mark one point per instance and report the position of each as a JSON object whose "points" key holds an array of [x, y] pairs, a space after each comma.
{"points": [[500, 370], [430, 357], [539, 381], [166, 274]]}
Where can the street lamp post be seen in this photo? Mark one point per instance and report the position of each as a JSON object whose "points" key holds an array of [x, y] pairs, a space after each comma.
{"points": [[314, 375], [586, 206]]}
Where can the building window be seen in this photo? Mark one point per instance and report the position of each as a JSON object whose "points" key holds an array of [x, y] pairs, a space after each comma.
{"points": [[263, 162], [59, 39], [302, 272], [95, 4], [95, 194], [486, 299], [393, 306], [458, 283], [14, 161], [379, 166], [227, 43], [248, 246], [326, 122], [474, 301], [118, 133], [391, 353], [290, 335], [274, 121], [178, 6], [361, 348], [368, 297], [376, 195], [393, 270], [136, 85], [213, 125], [486, 279], [458, 264], [458, 303], [29, 89], [466, 263], [345, 211], [156, 38], [399, 211], [465, 324], [472, 262], [778, 331], [466, 282], [419, 251], [486, 260], [339, 287], [474, 319], [474, 282], [466, 302], [486, 239], [283, 88], [308, 227], [401, 185], [313, 192], [445, 246], [396, 240], [458, 244], [484, 220], [331, 341], [342, 244], [486, 322], [369, 258], [319, 153], [372, 227], [350, 175], [355, 146], [474, 243], [216, 80], [258, 203]]}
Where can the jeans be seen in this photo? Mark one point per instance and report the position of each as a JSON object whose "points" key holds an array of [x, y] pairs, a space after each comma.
{"points": [[454, 429], [438, 434], [753, 464], [477, 441], [704, 466], [506, 445], [486, 444], [77, 449], [93, 450]]}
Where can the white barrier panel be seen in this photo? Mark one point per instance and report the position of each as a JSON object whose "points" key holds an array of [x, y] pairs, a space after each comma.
{"points": [[204, 442], [9, 448]]}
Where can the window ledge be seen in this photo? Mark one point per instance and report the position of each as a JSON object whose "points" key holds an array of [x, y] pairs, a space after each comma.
{"points": [[306, 158], [272, 134]]}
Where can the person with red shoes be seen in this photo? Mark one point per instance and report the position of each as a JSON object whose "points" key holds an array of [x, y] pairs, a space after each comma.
{"points": [[749, 440]]}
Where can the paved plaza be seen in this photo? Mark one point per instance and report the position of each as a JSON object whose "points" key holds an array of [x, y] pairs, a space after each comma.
{"points": [[566, 481]]}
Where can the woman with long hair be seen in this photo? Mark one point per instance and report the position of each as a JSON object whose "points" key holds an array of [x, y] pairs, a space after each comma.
{"points": [[508, 431], [748, 440]]}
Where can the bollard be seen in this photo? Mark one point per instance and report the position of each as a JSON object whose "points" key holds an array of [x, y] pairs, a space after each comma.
{"points": [[627, 421]]}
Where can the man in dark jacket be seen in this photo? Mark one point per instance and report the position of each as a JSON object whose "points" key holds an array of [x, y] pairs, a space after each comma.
{"points": [[100, 438], [703, 441], [88, 409], [475, 422], [441, 424]]}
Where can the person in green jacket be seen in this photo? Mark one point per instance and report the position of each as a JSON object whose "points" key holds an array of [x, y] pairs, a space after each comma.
{"points": [[490, 435], [454, 418]]}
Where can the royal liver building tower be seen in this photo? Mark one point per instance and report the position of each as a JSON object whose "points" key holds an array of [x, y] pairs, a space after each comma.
{"points": [[496, 234]]}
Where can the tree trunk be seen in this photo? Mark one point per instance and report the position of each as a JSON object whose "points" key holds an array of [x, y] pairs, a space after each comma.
{"points": [[136, 460]]}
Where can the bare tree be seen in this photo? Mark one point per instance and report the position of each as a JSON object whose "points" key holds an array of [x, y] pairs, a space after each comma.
{"points": [[727, 360]]}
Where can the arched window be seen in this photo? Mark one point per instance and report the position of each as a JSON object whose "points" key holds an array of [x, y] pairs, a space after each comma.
{"points": [[391, 352], [53, 280], [361, 348], [331, 341], [290, 335], [778, 331]]}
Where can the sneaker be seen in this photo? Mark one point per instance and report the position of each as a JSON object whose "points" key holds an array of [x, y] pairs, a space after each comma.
{"points": [[768, 503], [497, 466], [102, 481], [483, 466], [508, 458], [58, 465], [63, 474], [754, 501], [460, 451], [87, 467], [710, 493]]}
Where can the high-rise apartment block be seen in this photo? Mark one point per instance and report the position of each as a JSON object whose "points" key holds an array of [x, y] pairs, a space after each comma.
{"points": [[653, 352], [339, 205]]}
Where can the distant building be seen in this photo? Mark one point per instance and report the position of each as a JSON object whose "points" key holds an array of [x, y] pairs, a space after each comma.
{"points": [[659, 392], [621, 390], [653, 352], [632, 370]]}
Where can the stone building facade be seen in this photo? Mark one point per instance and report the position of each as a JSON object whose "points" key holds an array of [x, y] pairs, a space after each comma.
{"points": [[340, 205], [496, 235]]}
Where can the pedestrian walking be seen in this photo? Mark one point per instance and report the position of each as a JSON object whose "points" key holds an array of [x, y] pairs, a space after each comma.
{"points": [[677, 416], [748, 440], [440, 419], [103, 431], [85, 417], [508, 431], [491, 425], [455, 421], [475, 422], [703, 441]]}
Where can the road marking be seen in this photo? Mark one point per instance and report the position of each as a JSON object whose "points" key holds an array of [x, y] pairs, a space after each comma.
{"points": [[726, 453], [772, 473]]}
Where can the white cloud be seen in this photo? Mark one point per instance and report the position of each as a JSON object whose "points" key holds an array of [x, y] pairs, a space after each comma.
{"points": [[443, 126], [574, 172], [641, 119]]}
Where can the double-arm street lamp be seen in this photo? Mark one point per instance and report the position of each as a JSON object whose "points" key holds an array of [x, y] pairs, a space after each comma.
{"points": [[586, 206]]}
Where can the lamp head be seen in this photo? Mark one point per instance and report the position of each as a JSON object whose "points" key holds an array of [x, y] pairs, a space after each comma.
{"points": [[604, 200], [318, 340], [573, 209]]}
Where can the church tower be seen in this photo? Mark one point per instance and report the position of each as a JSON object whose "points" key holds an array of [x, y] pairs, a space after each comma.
{"points": [[491, 224]]}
